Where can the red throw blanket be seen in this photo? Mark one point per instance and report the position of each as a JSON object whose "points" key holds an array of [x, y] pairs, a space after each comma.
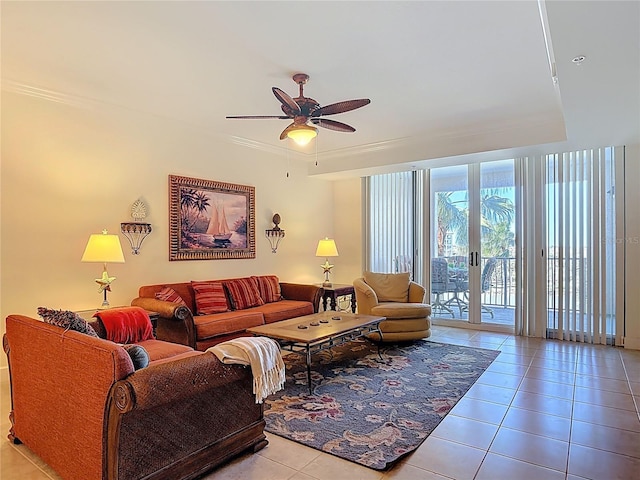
{"points": [[126, 324]]}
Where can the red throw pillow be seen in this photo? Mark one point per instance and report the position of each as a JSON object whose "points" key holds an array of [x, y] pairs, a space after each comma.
{"points": [[269, 288], [210, 298], [244, 293], [168, 294], [126, 324]]}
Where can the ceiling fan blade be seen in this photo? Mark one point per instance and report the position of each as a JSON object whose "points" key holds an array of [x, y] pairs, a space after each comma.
{"points": [[333, 125], [283, 135], [287, 101], [341, 107], [260, 116]]}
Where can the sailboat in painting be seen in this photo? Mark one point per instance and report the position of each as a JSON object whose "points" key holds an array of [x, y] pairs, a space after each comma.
{"points": [[218, 226]]}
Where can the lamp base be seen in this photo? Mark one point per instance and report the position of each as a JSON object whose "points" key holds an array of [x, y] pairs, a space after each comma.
{"points": [[105, 302]]}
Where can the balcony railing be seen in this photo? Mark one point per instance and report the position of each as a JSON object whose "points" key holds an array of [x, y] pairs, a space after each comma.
{"points": [[502, 284]]}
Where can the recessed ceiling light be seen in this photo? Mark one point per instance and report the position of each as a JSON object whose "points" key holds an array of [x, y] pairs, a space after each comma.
{"points": [[579, 59]]}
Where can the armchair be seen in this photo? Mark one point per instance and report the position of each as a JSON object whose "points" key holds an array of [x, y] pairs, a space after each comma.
{"points": [[401, 301]]}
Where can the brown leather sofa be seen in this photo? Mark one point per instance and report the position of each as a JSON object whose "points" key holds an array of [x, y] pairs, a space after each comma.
{"points": [[179, 324], [78, 403]]}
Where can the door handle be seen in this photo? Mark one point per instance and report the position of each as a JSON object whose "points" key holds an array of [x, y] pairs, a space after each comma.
{"points": [[476, 259]]}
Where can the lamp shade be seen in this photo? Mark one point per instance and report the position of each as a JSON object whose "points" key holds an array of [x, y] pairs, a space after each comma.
{"points": [[327, 248], [302, 134], [103, 248]]}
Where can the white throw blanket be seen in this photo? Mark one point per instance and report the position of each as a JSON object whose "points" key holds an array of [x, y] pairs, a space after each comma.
{"points": [[262, 354]]}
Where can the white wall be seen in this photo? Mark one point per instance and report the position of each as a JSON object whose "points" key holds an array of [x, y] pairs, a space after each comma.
{"points": [[347, 220], [68, 172]]}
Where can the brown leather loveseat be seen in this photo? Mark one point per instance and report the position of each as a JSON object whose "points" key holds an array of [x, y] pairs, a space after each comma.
{"points": [[78, 404], [180, 322]]}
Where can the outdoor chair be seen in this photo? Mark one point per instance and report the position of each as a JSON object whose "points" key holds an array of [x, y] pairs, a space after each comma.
{"points": [[440, 284], [485, 283]]}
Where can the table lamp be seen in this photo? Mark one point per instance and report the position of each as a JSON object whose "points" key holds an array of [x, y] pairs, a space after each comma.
{"points": [[103, 248], [327, 248]]}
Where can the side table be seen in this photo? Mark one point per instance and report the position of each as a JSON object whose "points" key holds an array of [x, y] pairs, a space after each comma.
{"points": [[88, 315], [338, 290]]}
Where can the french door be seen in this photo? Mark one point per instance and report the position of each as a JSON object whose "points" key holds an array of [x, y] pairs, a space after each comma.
{"points": [[473, 242]]}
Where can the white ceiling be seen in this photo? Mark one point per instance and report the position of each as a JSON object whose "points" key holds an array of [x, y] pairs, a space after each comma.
{"points": [[445, 78]]}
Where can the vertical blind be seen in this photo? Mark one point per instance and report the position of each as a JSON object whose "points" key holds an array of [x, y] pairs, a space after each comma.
{"points": [[390, 222], [580, 246]]}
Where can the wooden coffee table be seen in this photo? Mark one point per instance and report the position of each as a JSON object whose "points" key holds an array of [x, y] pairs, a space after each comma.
{"points": [[321, 331]]}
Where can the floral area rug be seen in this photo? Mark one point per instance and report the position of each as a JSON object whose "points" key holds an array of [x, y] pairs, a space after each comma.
{"points": [[369, 410]]}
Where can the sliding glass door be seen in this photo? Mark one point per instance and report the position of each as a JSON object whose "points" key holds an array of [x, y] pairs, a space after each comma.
{"points": [[449, 191], [473, 242]]}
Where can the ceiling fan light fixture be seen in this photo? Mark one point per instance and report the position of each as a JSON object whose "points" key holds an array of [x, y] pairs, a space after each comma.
{"points": [[302, 134]]}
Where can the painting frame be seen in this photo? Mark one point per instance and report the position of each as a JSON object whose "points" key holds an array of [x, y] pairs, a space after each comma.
{"points": [[210, 220]]}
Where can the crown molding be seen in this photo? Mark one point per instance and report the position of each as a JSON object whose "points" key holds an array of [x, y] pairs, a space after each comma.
{"points": [[20, 88]]}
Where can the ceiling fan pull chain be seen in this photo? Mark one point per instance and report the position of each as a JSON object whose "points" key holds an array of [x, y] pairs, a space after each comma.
{"points": [[288, 158]]}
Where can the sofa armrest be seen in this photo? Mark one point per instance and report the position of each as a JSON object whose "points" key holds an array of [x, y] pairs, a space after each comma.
{"points": [[366, 297], [174, 381], [164, 309], [306, 293], [416, 293], [175, 322]]}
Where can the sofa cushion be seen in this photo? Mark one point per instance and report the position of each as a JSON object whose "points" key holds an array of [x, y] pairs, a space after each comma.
{"points": [[284, 309], [208, 326], [244, 292], [66, 319], [168, 294], [392, 310], [159, 350], [269, 287], [389, 287], [210, 298], [179, 356]]}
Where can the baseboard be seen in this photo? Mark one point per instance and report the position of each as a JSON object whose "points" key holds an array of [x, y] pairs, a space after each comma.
{"points": [[631, 343], [487, 327]]}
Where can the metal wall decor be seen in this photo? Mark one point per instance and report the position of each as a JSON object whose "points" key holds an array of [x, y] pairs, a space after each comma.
{"points": [[275, 234], [137, 230]]}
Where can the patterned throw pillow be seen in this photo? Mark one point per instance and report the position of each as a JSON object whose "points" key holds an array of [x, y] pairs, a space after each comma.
{"points": [[168, 294], [66, 319], [244, 292], [269, 288], [139, 356], [210, 298]]}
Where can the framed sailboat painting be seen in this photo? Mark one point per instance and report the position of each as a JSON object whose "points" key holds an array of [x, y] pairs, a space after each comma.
{"points": [[210, 220]]}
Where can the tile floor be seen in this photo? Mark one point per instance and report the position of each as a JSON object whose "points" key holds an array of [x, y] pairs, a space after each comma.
{"points": [[543, 410]]}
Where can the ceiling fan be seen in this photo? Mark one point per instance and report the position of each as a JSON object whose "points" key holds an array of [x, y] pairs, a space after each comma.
{"points": [[304, 110]]}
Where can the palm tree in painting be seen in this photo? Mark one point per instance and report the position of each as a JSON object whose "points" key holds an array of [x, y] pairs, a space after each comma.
{"points": [[201, 202], [188, 198]]}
